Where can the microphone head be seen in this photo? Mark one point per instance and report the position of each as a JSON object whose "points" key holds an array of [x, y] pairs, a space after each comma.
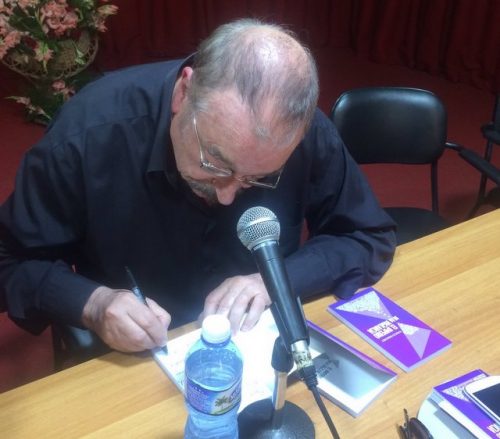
{"points": [[257, 225]]}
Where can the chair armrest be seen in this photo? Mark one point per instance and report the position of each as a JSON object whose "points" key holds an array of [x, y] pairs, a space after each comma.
{"points": [[478, 162]]}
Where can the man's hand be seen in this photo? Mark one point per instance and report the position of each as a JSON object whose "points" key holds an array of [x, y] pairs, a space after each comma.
{"points": [[236, 296], [123, 322]]}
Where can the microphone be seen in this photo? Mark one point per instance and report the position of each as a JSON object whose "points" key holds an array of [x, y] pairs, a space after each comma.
{"points": [[259, 230]]}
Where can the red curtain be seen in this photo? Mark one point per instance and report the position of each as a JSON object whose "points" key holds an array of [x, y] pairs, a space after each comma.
{"points": [[159, 29], [459, 39]]}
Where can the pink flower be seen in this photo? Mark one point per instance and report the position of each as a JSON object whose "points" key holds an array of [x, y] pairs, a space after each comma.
{"points": [[12, 38], [60, 26], [42, 52], [60, 86], [4, 26], [5, 7], [25, 4], [22, 100], [99, 25], [9, 41], [53, 9], [3, 49], [56, 16], [104, 12]]}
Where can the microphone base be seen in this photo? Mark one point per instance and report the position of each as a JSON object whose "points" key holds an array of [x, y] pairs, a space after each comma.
{"points": [[256, 422]]}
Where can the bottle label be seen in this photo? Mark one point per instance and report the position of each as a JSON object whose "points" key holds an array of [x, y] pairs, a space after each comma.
{"points": [[213, 402]]}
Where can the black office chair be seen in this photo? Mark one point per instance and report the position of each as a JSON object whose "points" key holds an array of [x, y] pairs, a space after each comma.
{"points": [[491, 132], [406, 126], [74, 345], [71, 345], [396, 125]]}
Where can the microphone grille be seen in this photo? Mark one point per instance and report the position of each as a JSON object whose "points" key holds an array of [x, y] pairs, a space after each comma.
{"points": [[256, 225]]}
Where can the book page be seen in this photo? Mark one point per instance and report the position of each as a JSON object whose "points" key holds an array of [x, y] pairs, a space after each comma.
{"points": [[256, 347]]}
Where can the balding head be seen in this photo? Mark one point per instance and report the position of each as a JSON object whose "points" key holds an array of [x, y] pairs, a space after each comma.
{"points": [[265, 65]]}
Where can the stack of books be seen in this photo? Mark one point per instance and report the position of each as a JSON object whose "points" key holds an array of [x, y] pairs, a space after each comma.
{"points": [[449, 413]]}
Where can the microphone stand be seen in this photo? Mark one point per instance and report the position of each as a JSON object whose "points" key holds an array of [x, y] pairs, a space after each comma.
{"points": [[276, 419]]}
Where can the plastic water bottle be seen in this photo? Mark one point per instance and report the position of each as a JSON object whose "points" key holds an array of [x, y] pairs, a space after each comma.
{"points": [[213, 382]]}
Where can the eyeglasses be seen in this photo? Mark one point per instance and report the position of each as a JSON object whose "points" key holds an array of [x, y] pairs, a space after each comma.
{"points": [[268, 182], [413, 429]]}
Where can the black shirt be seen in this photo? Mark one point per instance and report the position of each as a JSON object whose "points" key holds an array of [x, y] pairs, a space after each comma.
{"points": [[101, 191]]}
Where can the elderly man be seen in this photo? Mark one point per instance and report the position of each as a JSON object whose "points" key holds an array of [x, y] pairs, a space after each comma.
{"points": [[151, 166]]}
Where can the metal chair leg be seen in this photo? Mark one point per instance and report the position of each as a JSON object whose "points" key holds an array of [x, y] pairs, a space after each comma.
{"points": [[481, 194]]}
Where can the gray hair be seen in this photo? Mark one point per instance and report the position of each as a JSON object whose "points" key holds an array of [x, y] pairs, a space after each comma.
{"points": [[265, 63]]}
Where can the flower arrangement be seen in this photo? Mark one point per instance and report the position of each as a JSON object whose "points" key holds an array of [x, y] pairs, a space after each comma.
{"points": [[51, 42]]}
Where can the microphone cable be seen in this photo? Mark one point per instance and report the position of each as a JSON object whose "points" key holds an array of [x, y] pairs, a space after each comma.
{"points": [[309, 376]]}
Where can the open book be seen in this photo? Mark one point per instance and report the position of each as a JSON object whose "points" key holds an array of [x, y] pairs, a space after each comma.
{"points": [[395, 332], [346, 376]]}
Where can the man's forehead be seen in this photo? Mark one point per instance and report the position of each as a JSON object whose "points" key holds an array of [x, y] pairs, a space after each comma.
{"points": [[226, 108]]}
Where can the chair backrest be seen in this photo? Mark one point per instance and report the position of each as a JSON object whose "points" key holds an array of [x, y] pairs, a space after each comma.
{"points": [[391, 124]]}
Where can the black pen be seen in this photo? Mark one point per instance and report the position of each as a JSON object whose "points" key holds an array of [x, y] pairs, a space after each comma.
{"points": [[138, 293]]}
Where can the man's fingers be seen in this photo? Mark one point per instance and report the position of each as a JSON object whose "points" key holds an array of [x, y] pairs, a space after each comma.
{"points": [[164, 318], [241, 304], [236, 297], [124, 323], [213, 299], [255, 310], [150, 330]]}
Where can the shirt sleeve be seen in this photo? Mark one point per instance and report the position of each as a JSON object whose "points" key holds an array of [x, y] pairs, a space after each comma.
{"points": [[40, 225], [351, 239]]}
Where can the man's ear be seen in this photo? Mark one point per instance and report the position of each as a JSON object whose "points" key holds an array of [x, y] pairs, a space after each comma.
{"points": [[179, 94]]}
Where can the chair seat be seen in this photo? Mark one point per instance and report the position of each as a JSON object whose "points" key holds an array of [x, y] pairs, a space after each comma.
{"points": [[413, 223]]}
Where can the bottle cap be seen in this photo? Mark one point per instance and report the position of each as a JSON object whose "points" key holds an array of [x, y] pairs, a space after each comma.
{"points": [[216, 328]]}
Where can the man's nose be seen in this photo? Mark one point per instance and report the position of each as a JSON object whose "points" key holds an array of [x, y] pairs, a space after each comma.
{"points": [[226, 191]]}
